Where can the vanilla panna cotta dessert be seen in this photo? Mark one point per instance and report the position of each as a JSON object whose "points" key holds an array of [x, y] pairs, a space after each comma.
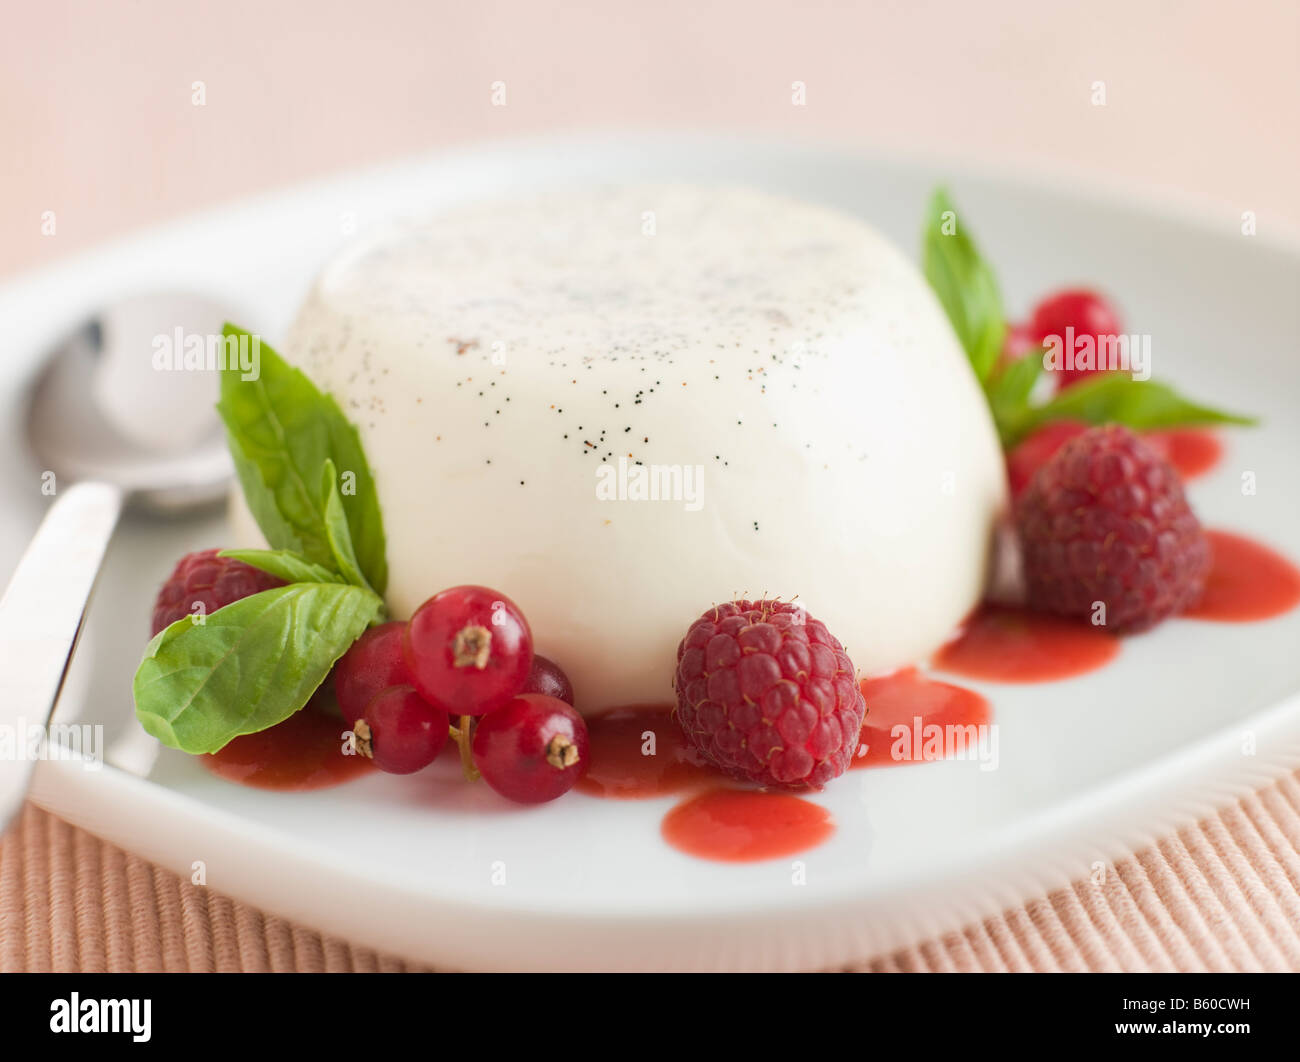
{"points": [[619, 403], [708, 464]]}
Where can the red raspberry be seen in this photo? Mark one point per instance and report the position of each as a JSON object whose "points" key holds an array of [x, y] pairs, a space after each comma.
{"points": [[768, 694], [1105, 520], [213, 580]]}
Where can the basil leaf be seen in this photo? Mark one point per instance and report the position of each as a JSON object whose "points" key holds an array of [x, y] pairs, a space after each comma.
{"points": [[1012, 386], [336, 528], [261, 499], [967, 290], [1114, 397], [283, 564], [965, 285], [281, 430], [1008, 394], [249, 665]]}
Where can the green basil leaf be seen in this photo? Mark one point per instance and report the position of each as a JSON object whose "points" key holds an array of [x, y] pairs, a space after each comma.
{"points": [[249, 665], [261, 499], [336, 528], [965, 285], [1008, 394], [1012, 386], [281, 430], [283, 564], [1115, 397]]}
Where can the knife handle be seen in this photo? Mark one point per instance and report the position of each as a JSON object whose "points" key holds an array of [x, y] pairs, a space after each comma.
{"points": [[41, 615]]}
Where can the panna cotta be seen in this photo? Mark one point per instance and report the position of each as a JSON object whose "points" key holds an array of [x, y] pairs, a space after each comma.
{"points": [[617, 405]]}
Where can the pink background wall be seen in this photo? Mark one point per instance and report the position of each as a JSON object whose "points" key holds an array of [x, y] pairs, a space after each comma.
{"points": [[1203, 96]]}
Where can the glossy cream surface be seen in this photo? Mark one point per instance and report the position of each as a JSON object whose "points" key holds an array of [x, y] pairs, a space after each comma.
{"points": [[620, 405]]}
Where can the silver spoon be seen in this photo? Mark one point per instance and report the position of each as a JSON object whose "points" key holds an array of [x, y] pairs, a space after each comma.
{"points": [[112, 421]]}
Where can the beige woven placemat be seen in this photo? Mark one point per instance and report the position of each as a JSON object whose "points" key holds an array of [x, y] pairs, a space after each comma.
{"points": [[1221, 895]]}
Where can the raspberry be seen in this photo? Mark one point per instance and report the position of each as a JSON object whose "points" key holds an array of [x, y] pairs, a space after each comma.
{"points": [[213, 580], [1105, 521], [768, 694]]}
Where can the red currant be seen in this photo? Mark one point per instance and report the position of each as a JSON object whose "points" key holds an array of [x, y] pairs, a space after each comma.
{"points": [[468, 650], [548, 678], [532, 749], [1088, 313], [373, 663], [1019, 341], [400, 730]]}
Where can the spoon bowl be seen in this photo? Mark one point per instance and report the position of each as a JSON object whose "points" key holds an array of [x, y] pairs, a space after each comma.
{"points": [[80, 411], [112, 421]]}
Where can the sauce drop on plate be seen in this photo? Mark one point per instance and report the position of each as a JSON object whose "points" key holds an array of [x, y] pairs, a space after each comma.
{"points": [[1003, 644], [1192, 451], [745, 826], [909, 700], [1248, 581], [303, 752], [620, 767]]}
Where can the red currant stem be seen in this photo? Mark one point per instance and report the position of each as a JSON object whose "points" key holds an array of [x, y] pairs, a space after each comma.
{"points": [[461, 736]]}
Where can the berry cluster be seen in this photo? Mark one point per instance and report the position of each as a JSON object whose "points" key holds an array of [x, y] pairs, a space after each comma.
{"points": [[1100, 513], [463, 667], [465, 655]]}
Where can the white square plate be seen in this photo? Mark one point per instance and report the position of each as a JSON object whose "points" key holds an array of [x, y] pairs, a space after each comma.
{"points": [[1088, 767]]}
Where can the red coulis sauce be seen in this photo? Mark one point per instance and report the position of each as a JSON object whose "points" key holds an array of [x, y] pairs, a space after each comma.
{"points": [[621, 767], [1004, 644], [1248, 581], [906, 698], [722, 823], [726, 823], [1192, 451], [303, 752], [746, 825]]}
